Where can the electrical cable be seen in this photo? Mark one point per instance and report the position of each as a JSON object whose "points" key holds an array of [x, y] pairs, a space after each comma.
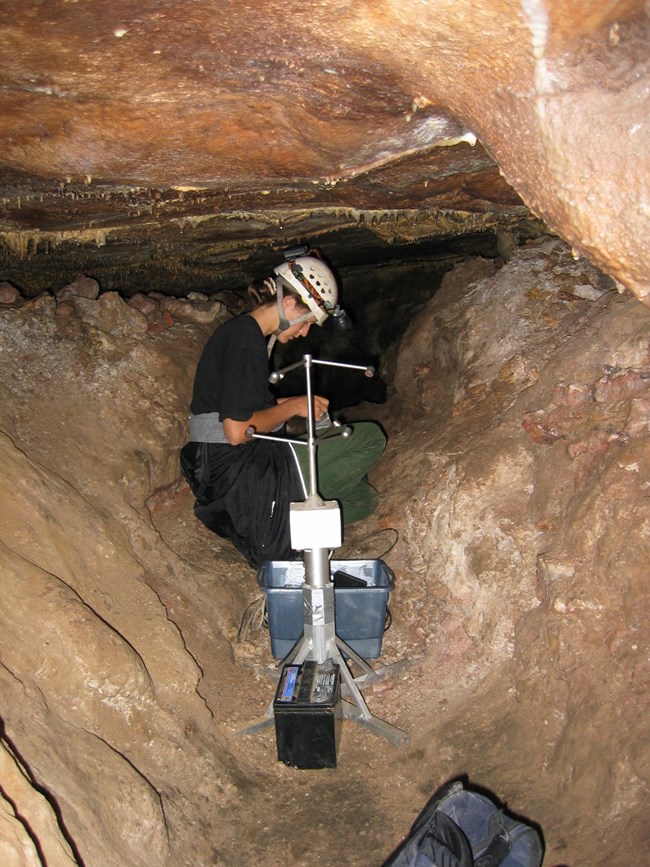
{"points": [[392, 544], [255, 616]]}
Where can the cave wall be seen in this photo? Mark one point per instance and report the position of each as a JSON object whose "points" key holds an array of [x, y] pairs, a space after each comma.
{"points": [[562, 102], [524, 544], [100, 694]]}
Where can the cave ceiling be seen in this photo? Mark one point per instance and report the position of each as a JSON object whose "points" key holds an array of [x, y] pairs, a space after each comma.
{"points": [[158, 143]]}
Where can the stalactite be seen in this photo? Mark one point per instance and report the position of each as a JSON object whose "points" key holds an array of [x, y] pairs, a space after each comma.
{"points": [[24, 244]]}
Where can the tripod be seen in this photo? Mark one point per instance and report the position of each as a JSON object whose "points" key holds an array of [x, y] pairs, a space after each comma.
{"points": [[315, 526]]}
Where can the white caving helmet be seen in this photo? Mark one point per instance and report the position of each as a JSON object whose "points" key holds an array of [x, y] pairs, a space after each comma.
{"points": [[313, 282]]}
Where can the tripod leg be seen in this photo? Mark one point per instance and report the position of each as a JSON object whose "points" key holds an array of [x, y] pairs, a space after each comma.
{"points": [[297, 654], [259, 724], [376, 725], [360, 661], [349, 681]]}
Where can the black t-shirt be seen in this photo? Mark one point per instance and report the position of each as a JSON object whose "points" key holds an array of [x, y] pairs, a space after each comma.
{"points": [[232, 373]]}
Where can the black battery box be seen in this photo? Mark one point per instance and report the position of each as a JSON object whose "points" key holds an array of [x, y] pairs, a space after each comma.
{"points": [[307, 711]]}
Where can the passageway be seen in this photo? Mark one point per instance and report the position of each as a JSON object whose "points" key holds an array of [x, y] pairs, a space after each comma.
{"points": [[477, 175]]}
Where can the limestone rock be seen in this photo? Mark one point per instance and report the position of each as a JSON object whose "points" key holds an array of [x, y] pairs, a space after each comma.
{"points": [[113, 696], [158, 320], [147, 305], [110, 313], [81, 287], [521, 504], [549, 116], [203, 312], [8, 293], [64, 310], [34, 822]]}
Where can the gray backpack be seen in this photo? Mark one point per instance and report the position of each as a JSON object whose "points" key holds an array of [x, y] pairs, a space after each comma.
{"points": [[461, 828]]}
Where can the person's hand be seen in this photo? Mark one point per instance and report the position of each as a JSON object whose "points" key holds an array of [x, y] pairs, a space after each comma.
{"points": [[320, 406], [301, 406], [265, 420]]}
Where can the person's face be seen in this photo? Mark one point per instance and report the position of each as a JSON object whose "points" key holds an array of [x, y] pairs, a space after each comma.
{"points": [[292, 310]]}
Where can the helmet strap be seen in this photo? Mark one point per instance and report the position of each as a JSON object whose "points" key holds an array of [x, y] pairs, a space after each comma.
{"points": [[284, 323], [289, 323]]}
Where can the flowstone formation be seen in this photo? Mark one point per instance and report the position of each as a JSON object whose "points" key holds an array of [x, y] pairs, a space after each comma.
{"points": [[516, 477]]}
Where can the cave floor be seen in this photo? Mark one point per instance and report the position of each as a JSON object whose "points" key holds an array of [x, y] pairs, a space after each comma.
{"points": [[353, 815]]}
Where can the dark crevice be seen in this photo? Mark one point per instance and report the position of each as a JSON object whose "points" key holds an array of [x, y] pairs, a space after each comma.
{"points": [[49, 797]]}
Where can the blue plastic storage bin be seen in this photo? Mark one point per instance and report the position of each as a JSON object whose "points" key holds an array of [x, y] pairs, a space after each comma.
{"points": [[360, 611]]}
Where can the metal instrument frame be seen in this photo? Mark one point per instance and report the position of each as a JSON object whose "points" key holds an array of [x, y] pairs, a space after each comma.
{"points": [[319, 641]]}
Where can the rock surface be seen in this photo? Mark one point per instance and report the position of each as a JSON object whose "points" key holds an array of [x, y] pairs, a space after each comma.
{"points": [[516, 477], [520, 492], [99, 692], [163, 139]]}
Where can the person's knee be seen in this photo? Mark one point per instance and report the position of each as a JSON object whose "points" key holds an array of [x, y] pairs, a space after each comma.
{"points": [[361, 505], [381, 438], [371, 438]]}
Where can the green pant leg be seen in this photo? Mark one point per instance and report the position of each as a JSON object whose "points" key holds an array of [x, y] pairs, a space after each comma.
{"points": [[342, 466]]}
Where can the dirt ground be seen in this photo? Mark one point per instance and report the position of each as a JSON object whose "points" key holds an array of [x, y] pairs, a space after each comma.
{"points": [[353, 815]]}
